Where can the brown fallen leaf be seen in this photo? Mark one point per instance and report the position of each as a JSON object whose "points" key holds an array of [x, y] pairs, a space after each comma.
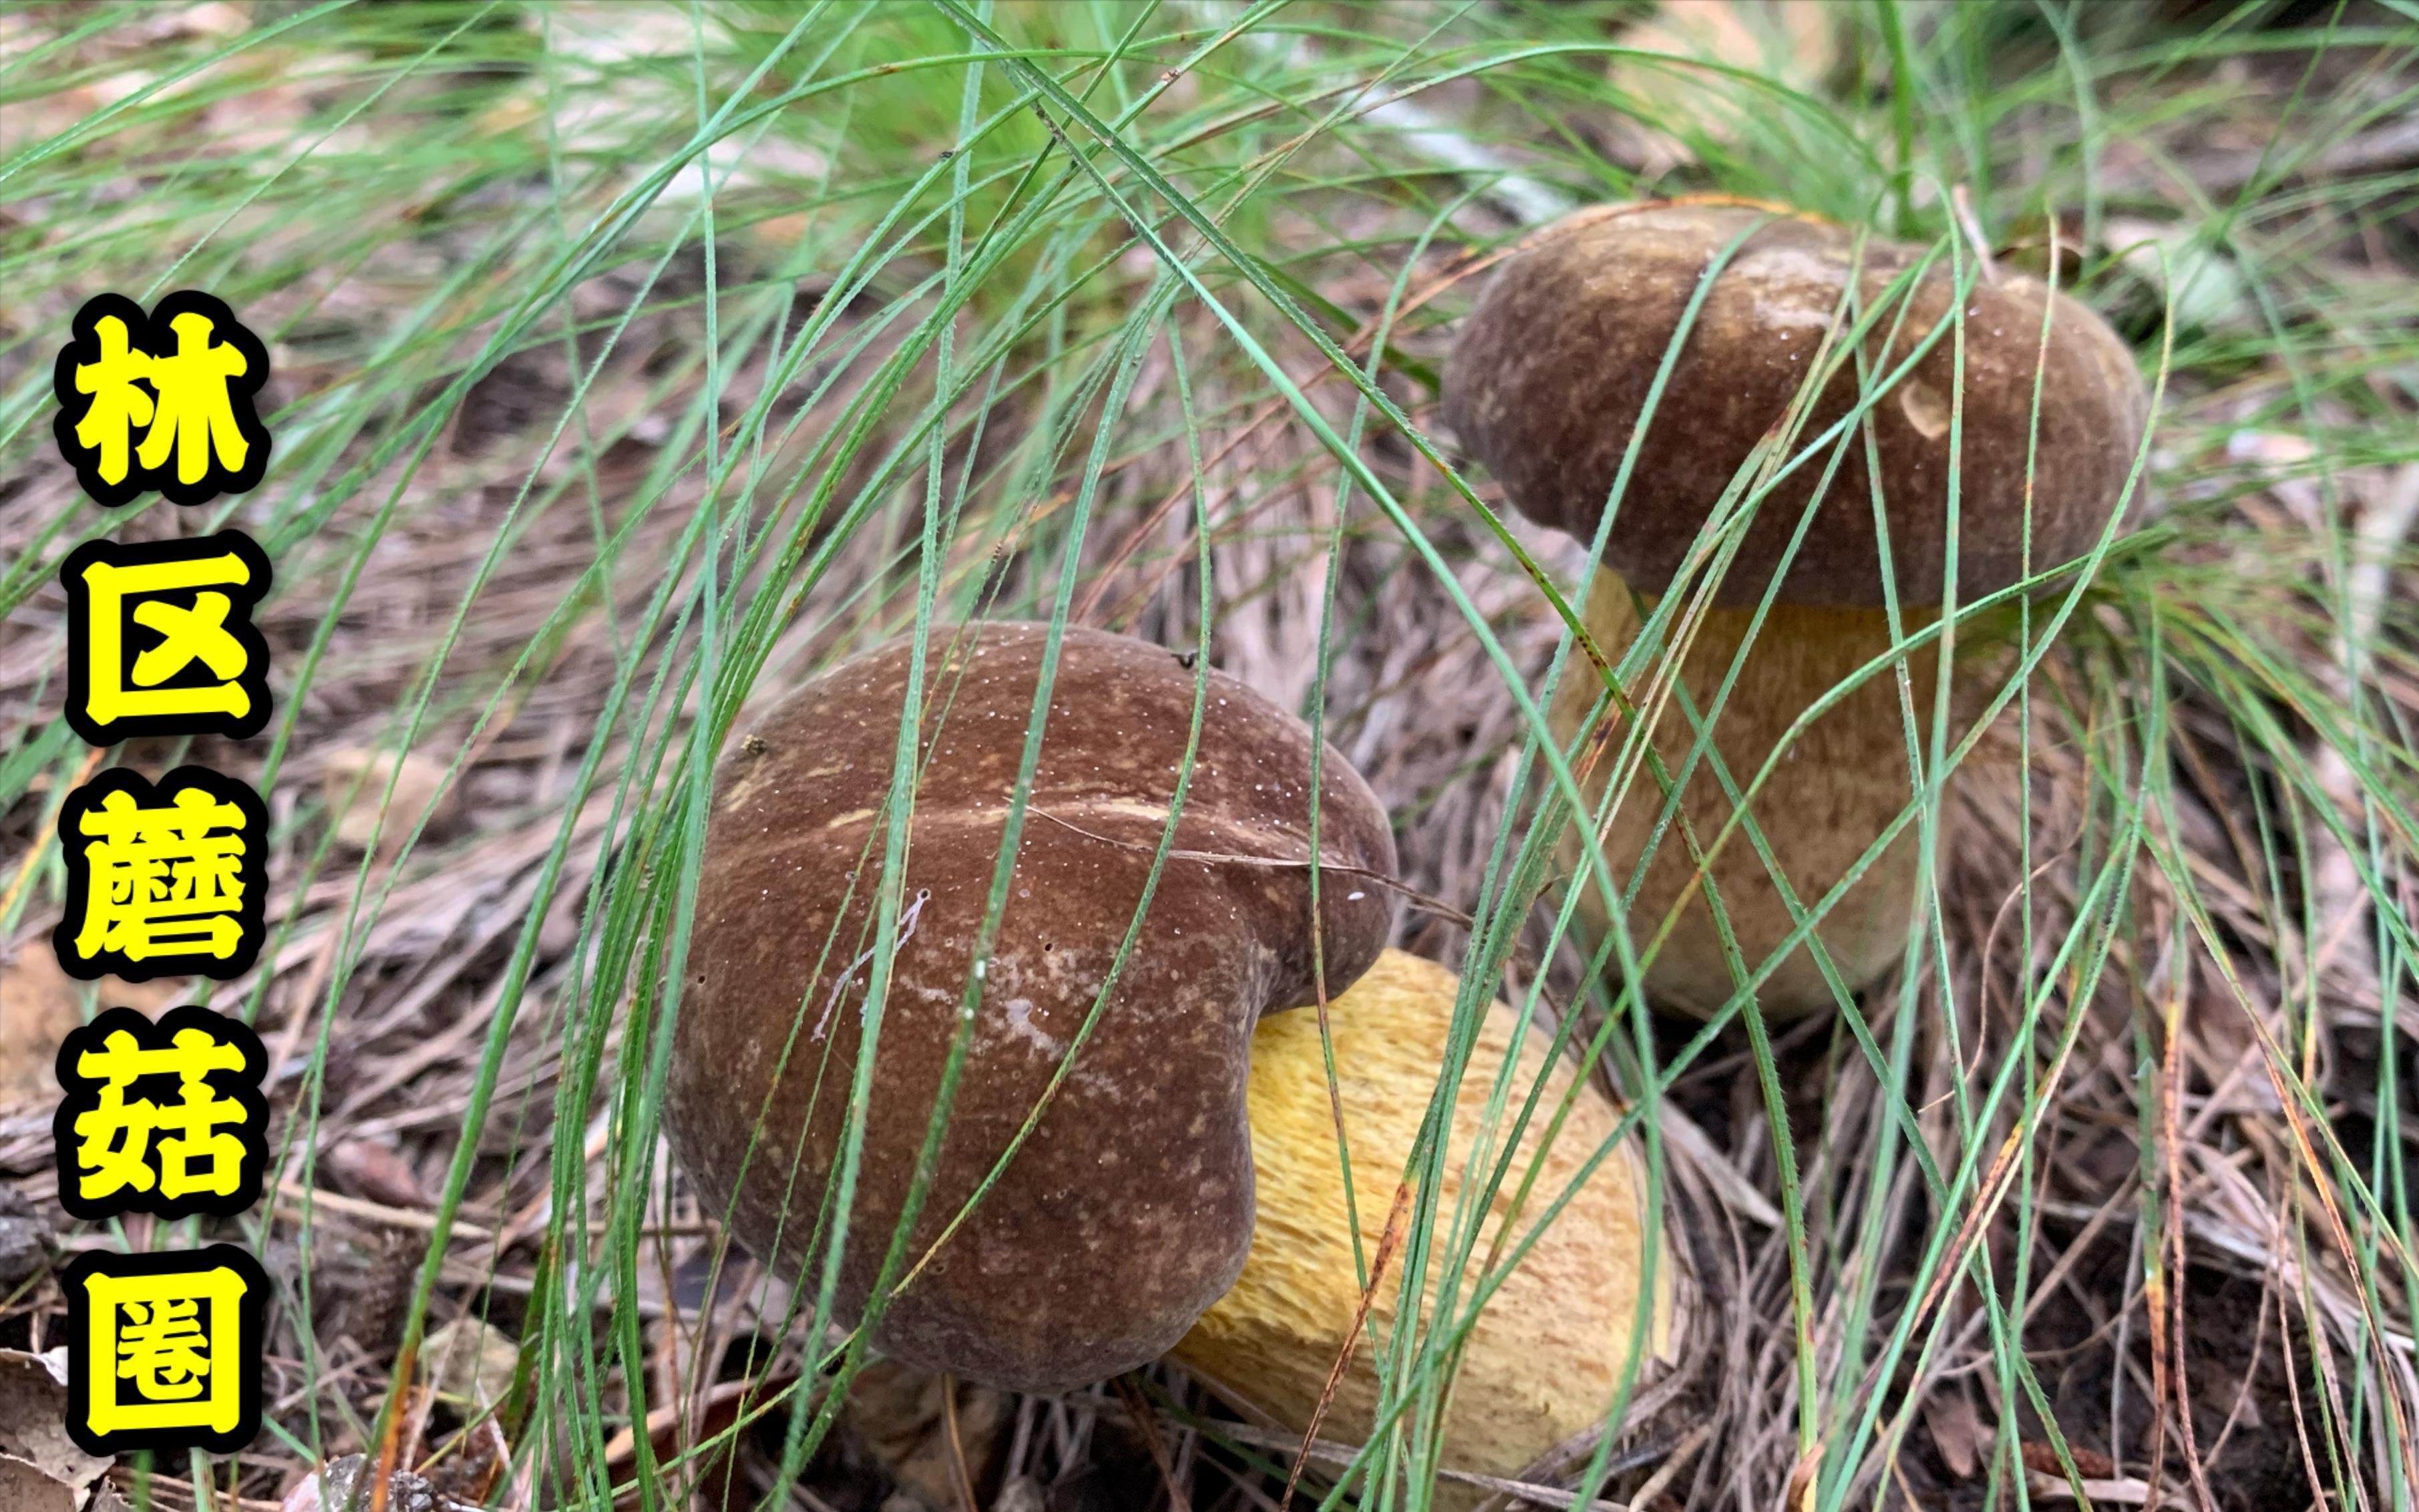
{"points": [[896, 1410], [41, 1469], [1957, 1432], [367, 1168], [38, 1007], [353, 781], [40, 1004], [25, 1489], [471, 1362]]}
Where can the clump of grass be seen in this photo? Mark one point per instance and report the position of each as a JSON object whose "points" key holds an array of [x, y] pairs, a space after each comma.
{"points": [[635, 361]]}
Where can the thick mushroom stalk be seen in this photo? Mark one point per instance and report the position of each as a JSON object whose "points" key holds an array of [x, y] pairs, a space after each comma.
{"points": [[1550, 1349], [1843, 783], [1128, 1210], [1547, 384]]}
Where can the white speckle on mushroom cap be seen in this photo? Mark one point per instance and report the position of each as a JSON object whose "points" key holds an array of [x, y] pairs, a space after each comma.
{"points": [[1020, 1024]]}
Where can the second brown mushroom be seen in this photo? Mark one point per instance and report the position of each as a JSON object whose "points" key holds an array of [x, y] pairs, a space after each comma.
{"points": [[1546, 386]]}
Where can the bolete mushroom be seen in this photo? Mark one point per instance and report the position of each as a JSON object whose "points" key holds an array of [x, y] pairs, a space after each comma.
{"points": [[1129, 1209], [1549, 1349], [1546, 384]]}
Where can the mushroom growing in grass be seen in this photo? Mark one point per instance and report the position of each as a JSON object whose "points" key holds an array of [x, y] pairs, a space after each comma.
{"points": [[1546, 384], [1551, 1348], [1128, 1208]]}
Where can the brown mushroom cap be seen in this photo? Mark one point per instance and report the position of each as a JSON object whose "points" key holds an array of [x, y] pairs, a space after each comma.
{"points": [[1129, 1211], [1552, 369]]}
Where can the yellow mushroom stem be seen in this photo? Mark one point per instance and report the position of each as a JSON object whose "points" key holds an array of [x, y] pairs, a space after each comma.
{"points": [[1550, 1349], [1842, 783]]}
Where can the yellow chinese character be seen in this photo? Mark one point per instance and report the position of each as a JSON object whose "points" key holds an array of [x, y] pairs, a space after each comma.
{"points": [[118, 407], [201, 436], [164, 1351], [196, 412], [212, 1144], [163, 880], [201, 674]]}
